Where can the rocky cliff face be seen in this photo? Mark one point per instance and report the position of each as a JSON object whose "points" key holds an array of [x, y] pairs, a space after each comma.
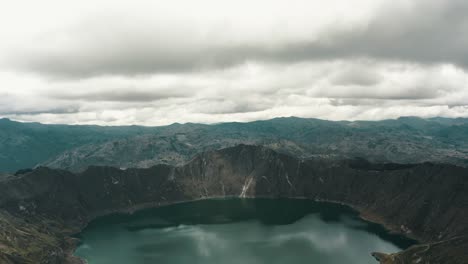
{"points": [[40, 209]]}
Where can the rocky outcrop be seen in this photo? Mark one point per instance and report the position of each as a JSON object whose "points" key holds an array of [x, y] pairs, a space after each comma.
{"points": [[429, 202]]}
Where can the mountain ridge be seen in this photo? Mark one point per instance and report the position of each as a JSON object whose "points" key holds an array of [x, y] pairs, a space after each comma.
{"points": [[426, 201], [400, 141], [26, 145]]}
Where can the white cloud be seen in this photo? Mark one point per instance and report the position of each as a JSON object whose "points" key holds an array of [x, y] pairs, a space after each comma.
{"points": [[158, 62]]}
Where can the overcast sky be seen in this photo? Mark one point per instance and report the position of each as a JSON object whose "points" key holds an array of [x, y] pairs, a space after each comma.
{"points": [[159, 62]]}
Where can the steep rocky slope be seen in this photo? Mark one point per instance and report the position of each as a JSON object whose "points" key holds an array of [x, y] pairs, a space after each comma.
{"points": [[40, 209]]}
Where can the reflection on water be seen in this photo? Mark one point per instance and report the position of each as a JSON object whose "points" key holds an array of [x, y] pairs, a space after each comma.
{"points": [[247, 231]]}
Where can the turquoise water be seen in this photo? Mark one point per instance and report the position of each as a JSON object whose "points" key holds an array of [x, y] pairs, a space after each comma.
{"points": [[233, 231]]}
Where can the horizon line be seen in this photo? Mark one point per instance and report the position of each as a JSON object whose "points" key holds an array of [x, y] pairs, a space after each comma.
{"points": [[228, 122]]}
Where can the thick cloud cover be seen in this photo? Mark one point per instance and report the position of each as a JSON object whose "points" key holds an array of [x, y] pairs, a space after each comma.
{"points": [[158, 62]]}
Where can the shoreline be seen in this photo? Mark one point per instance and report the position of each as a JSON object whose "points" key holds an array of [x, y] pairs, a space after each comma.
{"points": [[405, 201], [362, 213]]}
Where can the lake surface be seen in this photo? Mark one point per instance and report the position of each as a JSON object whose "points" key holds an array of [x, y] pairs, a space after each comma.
{"points": [[237, 231]]}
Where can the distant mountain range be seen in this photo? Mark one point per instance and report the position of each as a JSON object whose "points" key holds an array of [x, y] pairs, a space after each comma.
{"points": [[75, 147]]}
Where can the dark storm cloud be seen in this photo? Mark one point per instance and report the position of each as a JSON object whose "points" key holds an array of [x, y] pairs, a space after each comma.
{"points": [[430, 32], [360, 77], [433, 31], [374, 102], [58, 110], [385, 93], [121, 95], [224, 106]]}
